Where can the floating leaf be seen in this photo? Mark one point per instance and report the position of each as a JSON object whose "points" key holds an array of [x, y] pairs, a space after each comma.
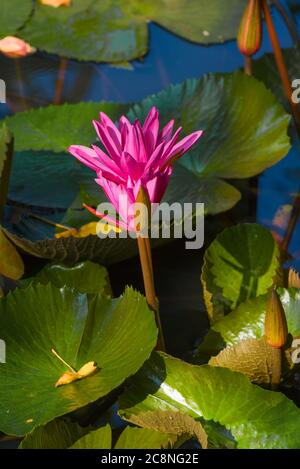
{"points": [[252, 357], [130, 438], [85, 277], [71, 250], [98, 439], [55, 128], [241, 263], [14, 14], [257, 418], [247, 322], [11, 264], [249, 142], [57, 434], [176, 423], [265, 69], [144, 438], [118, 334], [121, 27]]}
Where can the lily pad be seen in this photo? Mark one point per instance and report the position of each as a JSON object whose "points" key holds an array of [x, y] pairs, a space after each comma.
{"points": [[97, 439], [245, 127], [117, 334], [241, 263], [57, 434], [85, 277], [265, 69], [257, 418], [55, 128], [247, 322], [117, 30], [14, 14]]}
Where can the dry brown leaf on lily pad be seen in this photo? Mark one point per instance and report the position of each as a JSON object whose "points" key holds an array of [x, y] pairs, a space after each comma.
{"points": [[73, 375]]}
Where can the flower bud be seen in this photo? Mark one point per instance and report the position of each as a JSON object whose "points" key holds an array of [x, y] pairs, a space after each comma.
{"points": [[250, 30], [56, 3], [276, 330], [14, 47]]}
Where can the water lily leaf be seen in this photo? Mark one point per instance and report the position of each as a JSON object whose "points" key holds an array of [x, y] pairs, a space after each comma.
{"points": [[117, 31], [176, 423], [265, 69], [241, 263], [236, 144], [257, 418], [290, 299], [98, 439], [47, 180], [117, 334], [252, 357], [11, 263], [71, 250], [247, 322], [130, 438], [85, 277], [55, 128], [57, 434], [144, 438], [14, 14]]}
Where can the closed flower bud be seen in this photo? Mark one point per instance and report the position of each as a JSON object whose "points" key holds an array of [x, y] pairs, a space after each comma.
{"points": [[250, 31], [275, 322]]}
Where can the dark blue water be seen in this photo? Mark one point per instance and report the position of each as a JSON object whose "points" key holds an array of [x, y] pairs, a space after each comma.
{"points": [[31, 82]]}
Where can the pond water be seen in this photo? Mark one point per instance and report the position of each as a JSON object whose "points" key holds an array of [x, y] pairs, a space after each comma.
{"points": [[42, 79]]}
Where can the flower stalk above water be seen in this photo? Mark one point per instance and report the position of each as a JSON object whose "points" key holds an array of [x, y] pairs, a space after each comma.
{"points": [[135, 169]]}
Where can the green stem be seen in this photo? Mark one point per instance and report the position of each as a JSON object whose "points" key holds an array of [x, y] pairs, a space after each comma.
{"points": [[147, 269], [5, 177]]}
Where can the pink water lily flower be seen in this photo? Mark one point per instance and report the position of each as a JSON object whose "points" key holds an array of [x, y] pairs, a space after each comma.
{"points": [[14, 47], [138, 157]]}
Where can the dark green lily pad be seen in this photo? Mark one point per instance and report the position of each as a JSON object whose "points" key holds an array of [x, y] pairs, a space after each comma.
{"points": [[241, 263], [117, 31], [117, 334], [256, 418], [84, 277], [14, 14]]}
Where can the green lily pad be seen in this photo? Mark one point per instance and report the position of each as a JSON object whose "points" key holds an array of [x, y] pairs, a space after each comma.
{"points": [[55, 128], [84, 277], [14, 14], [256, 418], [117, 30], [145, 438], [241, 263], [247, 322], [98, 439], [57, 434], [242, 136], [117, 334], [265, 69]]}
